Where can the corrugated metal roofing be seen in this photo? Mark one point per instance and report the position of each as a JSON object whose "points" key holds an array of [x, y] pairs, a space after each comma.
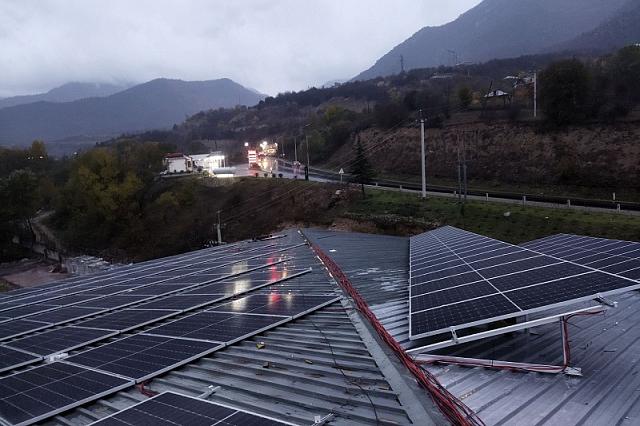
{"points": [[313, 366], [606, 347], [377, 265]]}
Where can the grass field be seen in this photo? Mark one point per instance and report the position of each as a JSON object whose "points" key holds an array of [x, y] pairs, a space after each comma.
{"points": [[512, 223]]}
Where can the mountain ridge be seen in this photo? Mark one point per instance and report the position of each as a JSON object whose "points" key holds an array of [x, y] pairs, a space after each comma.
{"points": [[156, 104], [487, 31], [67, 92]]}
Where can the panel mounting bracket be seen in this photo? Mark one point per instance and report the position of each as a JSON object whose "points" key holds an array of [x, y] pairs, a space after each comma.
{"points": [[604, 301]]}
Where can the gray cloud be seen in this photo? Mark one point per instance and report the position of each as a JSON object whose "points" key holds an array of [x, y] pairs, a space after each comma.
{"points": [[270, 45]]}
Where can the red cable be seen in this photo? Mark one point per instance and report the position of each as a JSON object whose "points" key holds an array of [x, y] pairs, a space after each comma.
{"points": [[450, 406]]}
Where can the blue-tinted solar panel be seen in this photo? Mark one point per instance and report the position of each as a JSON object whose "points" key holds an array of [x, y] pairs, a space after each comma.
{"points": [[179, 302], [65, 314], [127, 319], [112, 302], [42, 392], [19, 327], [174, 409], [216, 326], [141, 356], [274, 303], [494, 280], [11, 358], [59, 340]]}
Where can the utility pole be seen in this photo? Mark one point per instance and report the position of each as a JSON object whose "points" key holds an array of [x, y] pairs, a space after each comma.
{"points": [[218, 228], [401, 64], [295, 148], [464, 168], [535, 94], [423, 160], [459, 172], [306, 169]]}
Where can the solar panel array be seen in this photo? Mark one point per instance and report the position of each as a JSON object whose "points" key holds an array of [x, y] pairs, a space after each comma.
{"points": [[459, 279], [279, 275], [170, 408], [614, 256]]}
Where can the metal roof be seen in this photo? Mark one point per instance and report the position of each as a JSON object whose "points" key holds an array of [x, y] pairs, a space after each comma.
{"points": [[325, 362], [606, 347]]}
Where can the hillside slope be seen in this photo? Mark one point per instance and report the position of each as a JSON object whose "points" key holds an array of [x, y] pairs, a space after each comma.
{"points": [[154, 105], [497, 29], [66, 93], [620, 30]]}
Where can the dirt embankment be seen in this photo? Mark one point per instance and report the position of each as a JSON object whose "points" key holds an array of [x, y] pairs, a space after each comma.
{"points": [[590, 155]]}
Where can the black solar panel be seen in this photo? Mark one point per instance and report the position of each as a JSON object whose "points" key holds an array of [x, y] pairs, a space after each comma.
{"points": [[180, 302], [174, 409], [127, 319], [59, 340], [26, 310], [141, 356], [112, 302], [613, 256], [216, 326], [19, 327], [11, 358], [228, 287], [274, 303], [155, 290], [65, 314], [41, 392], [491, 280]]}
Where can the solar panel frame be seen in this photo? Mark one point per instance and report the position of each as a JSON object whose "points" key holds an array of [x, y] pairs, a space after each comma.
{"points": [[6, 351], [133, 360], [463, 243], [49, 339], [159, 315], [224, 417], [62, 371]]}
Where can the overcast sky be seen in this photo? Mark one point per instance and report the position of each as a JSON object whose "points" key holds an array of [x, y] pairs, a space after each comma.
{"points": [[270, 45]]}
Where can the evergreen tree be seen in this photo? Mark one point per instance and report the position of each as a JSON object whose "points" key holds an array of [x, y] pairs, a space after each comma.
{"points": [[361, 170]]}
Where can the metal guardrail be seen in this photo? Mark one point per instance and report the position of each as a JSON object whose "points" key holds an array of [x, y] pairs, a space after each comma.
{"points": [[496, 195]]}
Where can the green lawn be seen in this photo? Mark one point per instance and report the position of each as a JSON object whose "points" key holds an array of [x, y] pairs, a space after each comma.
{"points": [[522, 224]]}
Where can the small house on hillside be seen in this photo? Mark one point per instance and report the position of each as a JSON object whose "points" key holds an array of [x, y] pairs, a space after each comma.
{"points": [[497, 98], [178, 163]]}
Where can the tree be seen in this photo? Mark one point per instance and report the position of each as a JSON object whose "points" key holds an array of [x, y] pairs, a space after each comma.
{"points": [[625, 73], [465, 97], [565, 92], [362, 170]]}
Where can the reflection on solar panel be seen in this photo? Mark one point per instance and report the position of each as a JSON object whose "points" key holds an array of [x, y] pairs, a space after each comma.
{"points": [[614, 256], [275, 303], [44, 391], [171, 408], [11, 358], [127, 319], [460, 279], [217, 326], [59, 340], [141, 357]]}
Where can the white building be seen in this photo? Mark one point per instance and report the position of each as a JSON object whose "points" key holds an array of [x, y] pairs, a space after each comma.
{"points": [[178, 163], [209, 162]]}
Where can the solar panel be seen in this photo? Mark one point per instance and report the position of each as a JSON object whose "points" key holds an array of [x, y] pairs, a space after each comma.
{"points": [[180, 302], [66, 314], [274, 303], [141, 356], [19, 327], [26, 310], [217, 326], [459, 279], [113, 302], [614, 256], [170, 408], [12, 358], [127, 319], [60, 340], [41, 392]]}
